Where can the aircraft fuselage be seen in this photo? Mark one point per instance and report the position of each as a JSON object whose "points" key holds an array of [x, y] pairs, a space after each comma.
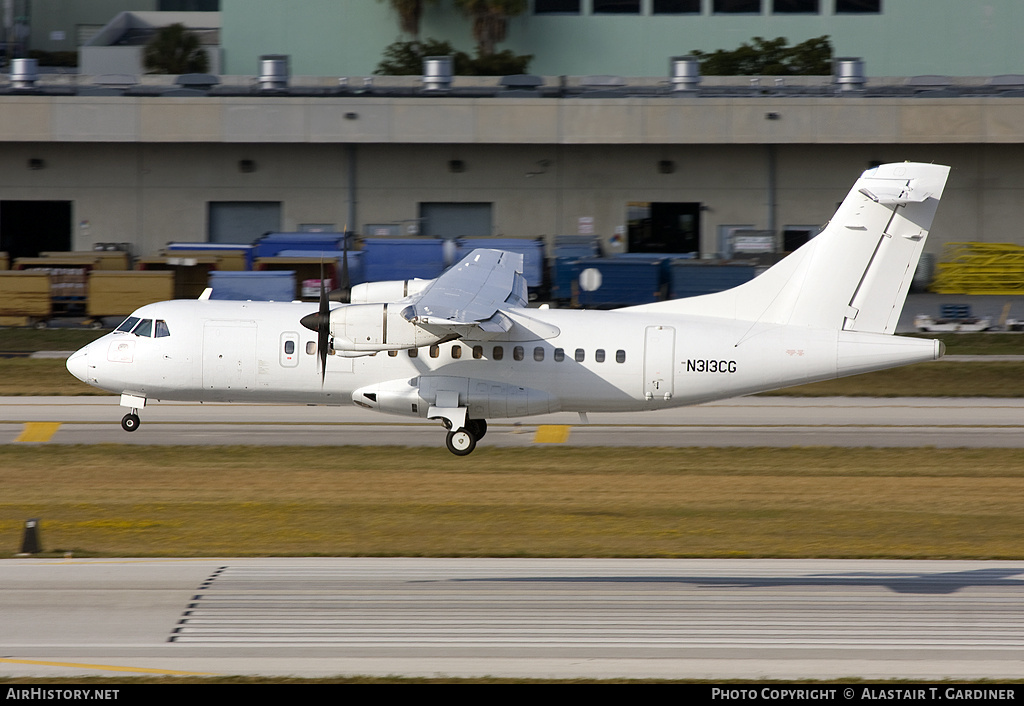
{"points": [[584, 361]]}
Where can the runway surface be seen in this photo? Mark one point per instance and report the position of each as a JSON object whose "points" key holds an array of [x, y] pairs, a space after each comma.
{"points": [[727, 619], [749, 421]]}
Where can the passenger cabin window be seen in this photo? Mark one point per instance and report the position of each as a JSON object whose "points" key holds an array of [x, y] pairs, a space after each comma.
{"points": [[499, 353], [456, 351], [559, 355], [478, 352], [517, 353], [392, 353], [599, 355], [620, 356], [580, 355], [435, 351], [161, 329], [310, 347], [538, 354], [413, 352]]}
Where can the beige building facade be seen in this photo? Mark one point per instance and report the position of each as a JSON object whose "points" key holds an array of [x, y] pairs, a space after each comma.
{"points": [[149, 170]]}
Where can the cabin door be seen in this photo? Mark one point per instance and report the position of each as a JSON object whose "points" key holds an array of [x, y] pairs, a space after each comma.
{"points": [[659, 361]]}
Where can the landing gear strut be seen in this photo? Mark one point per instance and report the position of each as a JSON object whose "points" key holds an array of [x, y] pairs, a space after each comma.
{"points": [[130, 421]]}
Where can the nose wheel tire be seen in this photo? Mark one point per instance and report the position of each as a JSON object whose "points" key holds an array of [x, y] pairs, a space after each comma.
{"points": [[130, 422], [461, 442]]}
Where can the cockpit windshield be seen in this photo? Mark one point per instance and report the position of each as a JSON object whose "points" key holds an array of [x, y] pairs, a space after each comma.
{"points": [[145, 327], [128, 324]]}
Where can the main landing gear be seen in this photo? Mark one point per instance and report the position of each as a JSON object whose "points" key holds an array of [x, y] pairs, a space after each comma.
{"points": [[461, 442]]}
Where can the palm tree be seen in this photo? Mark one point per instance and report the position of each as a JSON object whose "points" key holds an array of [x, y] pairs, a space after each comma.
{"points": [[409, 14], [490, 20], [175, 50]]}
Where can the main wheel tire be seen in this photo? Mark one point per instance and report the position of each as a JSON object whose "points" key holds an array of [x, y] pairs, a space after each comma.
{"points": [[130, 422], [477, 427], [461, 442]]}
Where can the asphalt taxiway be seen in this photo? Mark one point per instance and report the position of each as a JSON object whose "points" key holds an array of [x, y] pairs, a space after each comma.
{"points": [[665, 618], [749, 421]]}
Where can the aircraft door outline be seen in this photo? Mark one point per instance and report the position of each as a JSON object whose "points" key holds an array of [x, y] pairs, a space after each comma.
{"points": [[659, 362]]}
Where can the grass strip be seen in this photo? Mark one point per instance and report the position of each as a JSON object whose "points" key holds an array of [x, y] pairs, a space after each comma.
{"points": [[538, 502]]}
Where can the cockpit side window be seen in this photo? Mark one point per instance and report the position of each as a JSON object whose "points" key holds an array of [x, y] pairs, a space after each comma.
{"points": [[161, 329], [128, 324], [145, 328]]}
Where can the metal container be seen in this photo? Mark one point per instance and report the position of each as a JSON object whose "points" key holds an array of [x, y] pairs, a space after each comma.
{"points": [[273, 72], [24, 73], [849, 74], [265, 285], [684, 73], [437, 73], [402, 258]]}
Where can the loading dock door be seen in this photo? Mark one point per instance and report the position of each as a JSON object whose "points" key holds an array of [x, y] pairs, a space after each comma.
{"points": [[242, 221], [455, 220], [28, 228]]}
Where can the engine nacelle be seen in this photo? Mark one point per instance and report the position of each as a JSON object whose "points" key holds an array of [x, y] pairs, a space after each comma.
{"points": [[390, 291], [376, 327]]}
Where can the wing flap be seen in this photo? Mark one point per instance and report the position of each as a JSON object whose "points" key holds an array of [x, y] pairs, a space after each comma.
{"points": [[472, 293]]}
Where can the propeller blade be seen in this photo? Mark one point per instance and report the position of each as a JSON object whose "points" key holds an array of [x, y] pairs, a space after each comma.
{"points": [[321, 323], [323, 327], [343, 293]]}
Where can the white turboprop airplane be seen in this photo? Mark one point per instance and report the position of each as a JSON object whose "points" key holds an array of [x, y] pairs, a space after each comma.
{"points": [[463, 348]]}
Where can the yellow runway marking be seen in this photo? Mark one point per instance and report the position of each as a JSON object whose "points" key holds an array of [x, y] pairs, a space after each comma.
{"points": [[552, 434], [38, 431], [105, 667]]}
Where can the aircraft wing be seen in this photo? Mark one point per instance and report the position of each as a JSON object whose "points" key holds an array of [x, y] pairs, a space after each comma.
{"points": [[472, 294]]}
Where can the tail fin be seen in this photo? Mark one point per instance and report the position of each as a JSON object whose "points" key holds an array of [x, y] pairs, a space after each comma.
{"points": [[855, 274]]}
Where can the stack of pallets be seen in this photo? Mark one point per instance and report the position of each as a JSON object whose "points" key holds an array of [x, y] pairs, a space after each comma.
{"points": [[980, 268]]}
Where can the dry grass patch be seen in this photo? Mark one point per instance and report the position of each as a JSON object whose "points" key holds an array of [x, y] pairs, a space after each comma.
{"points": [[166, 501]]}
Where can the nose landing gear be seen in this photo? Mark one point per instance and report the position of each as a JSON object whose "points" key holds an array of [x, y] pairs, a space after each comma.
{"points": [[130, 421]]}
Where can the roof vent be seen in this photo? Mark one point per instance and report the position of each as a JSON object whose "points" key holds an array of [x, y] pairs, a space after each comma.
{"points": [[849, 74], [684, 73], [273, 72], [437, 73], [24, 73]]}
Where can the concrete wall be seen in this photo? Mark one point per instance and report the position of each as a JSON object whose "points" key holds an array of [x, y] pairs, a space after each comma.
{"points": [[144, 170], [154, 193]]}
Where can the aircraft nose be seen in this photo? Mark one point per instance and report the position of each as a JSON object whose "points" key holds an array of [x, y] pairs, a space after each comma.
{"points": [[78, 364]]}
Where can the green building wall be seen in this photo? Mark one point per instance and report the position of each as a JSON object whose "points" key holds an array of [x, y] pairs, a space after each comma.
{"points": [[908, 37]]}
